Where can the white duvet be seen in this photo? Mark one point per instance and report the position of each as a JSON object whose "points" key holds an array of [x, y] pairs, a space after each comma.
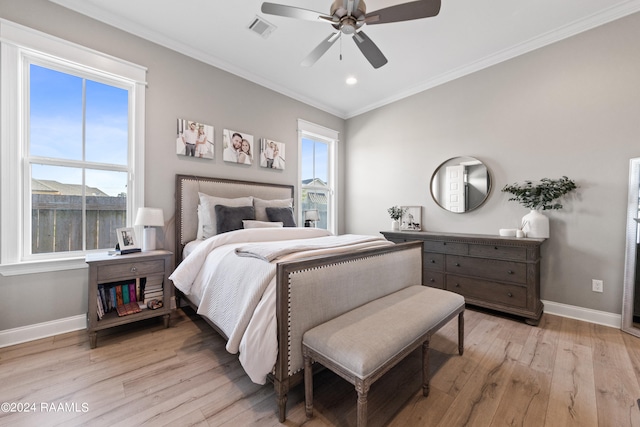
{"points": [[237, 292]]}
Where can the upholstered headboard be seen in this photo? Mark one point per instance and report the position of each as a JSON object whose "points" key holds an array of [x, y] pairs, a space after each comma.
{"points": [[188, 186]]}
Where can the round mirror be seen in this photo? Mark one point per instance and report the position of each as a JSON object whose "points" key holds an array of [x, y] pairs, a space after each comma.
{"points": [[461, 184]]}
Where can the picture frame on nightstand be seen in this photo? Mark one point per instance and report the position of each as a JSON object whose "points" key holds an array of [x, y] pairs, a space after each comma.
{"points": [[127, 241]]}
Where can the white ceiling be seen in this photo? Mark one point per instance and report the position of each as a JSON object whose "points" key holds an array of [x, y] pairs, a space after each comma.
{"points": [[467, 35]]}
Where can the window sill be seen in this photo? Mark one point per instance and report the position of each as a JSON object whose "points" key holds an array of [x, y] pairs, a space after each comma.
{"points": [[32, 267]]}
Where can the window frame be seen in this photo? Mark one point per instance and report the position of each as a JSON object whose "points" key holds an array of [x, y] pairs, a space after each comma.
{"points": [[331, 137], [19, 47]]}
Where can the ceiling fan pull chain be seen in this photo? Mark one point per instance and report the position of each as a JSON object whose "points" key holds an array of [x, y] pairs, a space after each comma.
{"points": [[341, 46]]}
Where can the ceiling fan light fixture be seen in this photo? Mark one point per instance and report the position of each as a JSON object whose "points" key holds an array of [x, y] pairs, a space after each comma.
{"points": [[349, 17], [351, 80]]}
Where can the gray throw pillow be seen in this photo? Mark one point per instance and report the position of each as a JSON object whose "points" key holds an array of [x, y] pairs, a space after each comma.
{"points": [[283, 215], [230, 218]]}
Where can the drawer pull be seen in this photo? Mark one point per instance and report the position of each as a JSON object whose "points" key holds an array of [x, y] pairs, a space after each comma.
{"points": [[432, 280], [433, 261], [495, 247], [509, 271], [509, 294], [457, 285], [457, 264], [134, 269]]}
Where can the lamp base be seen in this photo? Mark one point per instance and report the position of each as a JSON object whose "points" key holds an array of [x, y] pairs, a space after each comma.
{"points": [[149, 239]]}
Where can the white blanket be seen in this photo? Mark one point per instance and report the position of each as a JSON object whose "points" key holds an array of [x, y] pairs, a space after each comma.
{"points": [[237, 293], [274, 250]]}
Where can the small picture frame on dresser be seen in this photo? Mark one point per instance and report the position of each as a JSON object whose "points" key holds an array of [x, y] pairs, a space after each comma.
{"points": [[126, 239], [411, 218]]}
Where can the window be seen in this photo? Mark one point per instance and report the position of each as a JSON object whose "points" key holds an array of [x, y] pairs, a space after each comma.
{"points": [[317, 193], [72, 150]]}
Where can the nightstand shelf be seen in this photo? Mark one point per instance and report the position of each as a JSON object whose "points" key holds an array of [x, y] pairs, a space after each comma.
{"points": [[138, 269]]}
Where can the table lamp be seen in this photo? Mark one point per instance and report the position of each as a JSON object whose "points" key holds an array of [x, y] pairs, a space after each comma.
{"points": [[149, 218], [310, 217]]}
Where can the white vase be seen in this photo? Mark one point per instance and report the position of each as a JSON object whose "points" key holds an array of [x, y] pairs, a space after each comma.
{"points": [[535, 224], [395, 225]]}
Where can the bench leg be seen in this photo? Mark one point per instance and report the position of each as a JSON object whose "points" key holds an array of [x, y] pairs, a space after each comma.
{"points": [[308, 387], [461, 333], [362, 390], [425, 368]]}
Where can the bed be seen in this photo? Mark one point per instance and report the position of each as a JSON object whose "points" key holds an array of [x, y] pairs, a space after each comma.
{"points": [[261, 288]]}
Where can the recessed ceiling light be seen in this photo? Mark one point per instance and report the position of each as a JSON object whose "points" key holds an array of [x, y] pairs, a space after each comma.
{"points": [[351, 80]]}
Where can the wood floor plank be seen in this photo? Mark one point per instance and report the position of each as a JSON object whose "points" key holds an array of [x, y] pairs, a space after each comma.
{"points": [[480, 397], [525, 399], [572, 398], [453, 379]]}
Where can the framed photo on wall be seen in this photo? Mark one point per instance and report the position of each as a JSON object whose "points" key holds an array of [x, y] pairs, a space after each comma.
{"points": [[237, 147], [271, 154], [194, 139], [411, 218]]}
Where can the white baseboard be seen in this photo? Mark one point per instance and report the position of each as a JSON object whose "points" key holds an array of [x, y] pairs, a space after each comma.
{"points": [[42, 330], [586, 314], [75, 323]]}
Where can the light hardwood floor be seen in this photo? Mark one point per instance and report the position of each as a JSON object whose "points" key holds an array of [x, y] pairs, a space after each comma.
{"points": [[562, 373]]}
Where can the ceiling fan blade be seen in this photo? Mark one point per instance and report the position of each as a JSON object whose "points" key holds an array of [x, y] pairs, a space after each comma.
{"points": [[293, 12], [404, 12], [369, 49], [320, 50]]}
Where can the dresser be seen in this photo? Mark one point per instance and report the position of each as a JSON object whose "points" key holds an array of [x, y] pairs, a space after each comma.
{"points": [[499, 273]]}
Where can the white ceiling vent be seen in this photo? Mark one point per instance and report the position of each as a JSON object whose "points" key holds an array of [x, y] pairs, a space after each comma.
{"points": [[261, 27]]}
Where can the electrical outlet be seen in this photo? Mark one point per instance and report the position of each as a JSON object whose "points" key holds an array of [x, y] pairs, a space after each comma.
{"points": [[597, 285]]}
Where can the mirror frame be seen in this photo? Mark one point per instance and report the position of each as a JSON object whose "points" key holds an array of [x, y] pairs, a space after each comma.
{"points": [[489, 187], [631, 248]]}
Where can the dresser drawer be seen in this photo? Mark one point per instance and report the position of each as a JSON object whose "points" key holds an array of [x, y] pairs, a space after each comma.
{"points": [[433, 261], [446, 247], [496, 251], [487, 291], [507, 271], [128, 270], [433, 279]]}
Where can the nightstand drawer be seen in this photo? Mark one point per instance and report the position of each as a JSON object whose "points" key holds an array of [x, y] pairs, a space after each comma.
{"points": [[433, 261], [496, 251], [484, 290], [128, 270], [504, 271]]}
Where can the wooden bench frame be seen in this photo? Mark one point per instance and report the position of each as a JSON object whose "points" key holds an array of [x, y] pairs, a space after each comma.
{"points": [[362, 385]]}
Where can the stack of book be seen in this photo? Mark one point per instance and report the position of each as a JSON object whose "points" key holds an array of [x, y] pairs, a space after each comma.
{"points": [[153, 289], [112, 296]]}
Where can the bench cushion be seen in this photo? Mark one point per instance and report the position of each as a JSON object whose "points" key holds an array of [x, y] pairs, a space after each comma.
{"points": [[367, 337]]}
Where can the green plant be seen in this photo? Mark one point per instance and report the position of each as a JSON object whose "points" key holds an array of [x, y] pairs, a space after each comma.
{"points": [[541, 195], [395, 212]]}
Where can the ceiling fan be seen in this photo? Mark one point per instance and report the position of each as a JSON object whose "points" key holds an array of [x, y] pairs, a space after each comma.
{"points": [[349, 17]]}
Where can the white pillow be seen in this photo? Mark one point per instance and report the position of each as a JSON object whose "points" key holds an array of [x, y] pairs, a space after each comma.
{"points": [[248, 223], [207, 212], [260, 206]]}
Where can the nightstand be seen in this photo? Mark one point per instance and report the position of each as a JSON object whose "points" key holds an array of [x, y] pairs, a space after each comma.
{"points": [[125, 281]]}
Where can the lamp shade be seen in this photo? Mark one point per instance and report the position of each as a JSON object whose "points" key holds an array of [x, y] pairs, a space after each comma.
{"points": [[150, 217], [311, 215]]}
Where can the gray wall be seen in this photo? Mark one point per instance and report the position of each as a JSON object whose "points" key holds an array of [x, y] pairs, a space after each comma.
{"points": [[178, 87], [572, 108]]}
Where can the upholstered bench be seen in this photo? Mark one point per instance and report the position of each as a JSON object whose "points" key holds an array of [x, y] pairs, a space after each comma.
{"points": [[364, 343]]}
